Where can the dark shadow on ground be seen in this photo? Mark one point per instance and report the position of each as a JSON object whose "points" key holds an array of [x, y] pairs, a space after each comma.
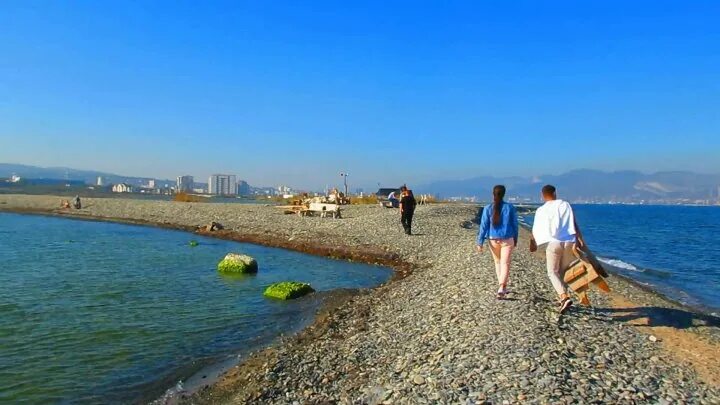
{"points": [[660, 316]]}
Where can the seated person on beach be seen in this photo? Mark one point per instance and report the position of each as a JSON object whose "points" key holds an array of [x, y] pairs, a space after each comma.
{"points": [[393, 200], [556, 231]]}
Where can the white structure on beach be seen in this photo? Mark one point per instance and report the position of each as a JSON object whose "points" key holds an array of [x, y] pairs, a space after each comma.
{"points": [[222, 184], [122, 188], [184, 184]]}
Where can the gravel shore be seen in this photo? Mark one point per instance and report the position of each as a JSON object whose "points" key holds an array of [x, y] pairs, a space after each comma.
{"points": [[439, 335]]}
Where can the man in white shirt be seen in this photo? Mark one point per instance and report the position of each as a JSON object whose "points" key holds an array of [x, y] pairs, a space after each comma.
{"points": [[556, 230]]}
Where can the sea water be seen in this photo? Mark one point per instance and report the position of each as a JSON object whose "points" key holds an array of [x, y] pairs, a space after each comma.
{"points": [[99, 312], [673, 249]]}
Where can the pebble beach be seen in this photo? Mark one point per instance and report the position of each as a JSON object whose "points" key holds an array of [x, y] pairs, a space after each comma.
{"points": [[436, 333]]}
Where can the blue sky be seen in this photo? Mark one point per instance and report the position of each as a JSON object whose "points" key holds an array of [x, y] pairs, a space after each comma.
{"points": [[295, 92]]}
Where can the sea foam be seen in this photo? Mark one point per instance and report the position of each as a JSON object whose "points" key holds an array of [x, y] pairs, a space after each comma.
{"points": [[619, 264]]}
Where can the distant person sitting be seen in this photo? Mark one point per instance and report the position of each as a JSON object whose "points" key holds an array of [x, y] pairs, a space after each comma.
{"points": [[407, 209], [556, 230], [394, 202]]}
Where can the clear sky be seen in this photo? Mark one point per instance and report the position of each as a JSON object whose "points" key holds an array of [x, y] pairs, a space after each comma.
{"points": [[295, 92]]}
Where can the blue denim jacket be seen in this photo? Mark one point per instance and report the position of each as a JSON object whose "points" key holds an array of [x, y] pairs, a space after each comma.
{"points": [[508, 227]]}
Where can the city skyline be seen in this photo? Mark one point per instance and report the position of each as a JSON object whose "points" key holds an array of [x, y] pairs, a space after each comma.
{"points": [[579, 185]]}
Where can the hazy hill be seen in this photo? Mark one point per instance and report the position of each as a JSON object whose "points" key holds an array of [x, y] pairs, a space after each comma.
{"points": [[589, 185], [88, 176]]}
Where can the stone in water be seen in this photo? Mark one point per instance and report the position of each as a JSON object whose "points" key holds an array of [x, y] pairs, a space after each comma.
{"points": [[288, 290], [235, 263]]}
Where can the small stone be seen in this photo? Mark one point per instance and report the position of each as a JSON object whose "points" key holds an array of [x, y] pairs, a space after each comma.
{"points": [[419, 380], [653, 338]]}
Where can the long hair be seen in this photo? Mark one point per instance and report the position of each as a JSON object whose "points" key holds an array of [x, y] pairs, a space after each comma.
{"points": [[498, 195]]}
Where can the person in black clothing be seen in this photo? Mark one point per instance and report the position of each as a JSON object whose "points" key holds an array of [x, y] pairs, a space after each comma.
{"points": [[407, 209]]}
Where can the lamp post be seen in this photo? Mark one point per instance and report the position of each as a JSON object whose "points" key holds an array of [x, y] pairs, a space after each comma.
{"points": [[345, 176]]}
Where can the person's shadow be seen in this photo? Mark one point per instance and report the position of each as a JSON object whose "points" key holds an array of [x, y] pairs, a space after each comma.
{"points": [[660, 316]]}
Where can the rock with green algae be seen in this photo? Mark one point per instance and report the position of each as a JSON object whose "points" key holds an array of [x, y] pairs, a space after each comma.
{"points": [[193, 243], [288, 290], [234, 263]]}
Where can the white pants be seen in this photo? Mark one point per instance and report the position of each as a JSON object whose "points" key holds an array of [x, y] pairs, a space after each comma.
{"points": [[501, 250], [559, 255]]}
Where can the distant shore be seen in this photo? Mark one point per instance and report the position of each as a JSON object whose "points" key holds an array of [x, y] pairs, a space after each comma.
{"points": [[438, 334]]}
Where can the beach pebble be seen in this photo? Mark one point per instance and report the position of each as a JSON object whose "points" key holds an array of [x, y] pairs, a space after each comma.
{"points": [[439, 335]]}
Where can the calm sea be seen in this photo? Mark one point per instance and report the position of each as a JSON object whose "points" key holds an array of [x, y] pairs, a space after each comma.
{"points": [[107, 313], [674, 249]]}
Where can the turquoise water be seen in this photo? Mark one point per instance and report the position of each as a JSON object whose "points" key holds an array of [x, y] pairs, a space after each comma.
{"points": [[94, 312]]}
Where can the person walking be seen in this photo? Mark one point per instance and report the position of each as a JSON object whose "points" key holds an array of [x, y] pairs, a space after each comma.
{"points": [[555, 230], [407, 209], [499, 225]]}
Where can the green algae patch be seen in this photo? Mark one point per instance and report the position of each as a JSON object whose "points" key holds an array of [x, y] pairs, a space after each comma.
{"points": [[235, 263], [288, 290], [193, 243]]}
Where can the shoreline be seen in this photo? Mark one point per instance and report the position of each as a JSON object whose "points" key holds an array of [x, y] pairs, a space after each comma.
{"points": [[331, 301], [361, 316], [617, 272], [400, 269]]}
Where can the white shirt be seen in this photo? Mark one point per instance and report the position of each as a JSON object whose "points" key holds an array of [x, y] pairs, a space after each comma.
{"points": [[554, 222]]}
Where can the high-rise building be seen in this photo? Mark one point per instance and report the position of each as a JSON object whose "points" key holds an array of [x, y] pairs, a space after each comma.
{"points": [[185, 184], [100, 181], [151, 183], [222, 184], [243, 187]]}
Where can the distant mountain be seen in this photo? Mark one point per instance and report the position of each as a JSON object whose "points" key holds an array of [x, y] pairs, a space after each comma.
{"points": [[589, 185], [88, 176]]}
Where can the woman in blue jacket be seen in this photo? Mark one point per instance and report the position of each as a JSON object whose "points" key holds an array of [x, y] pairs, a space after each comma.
{"points": [[499, 225]]}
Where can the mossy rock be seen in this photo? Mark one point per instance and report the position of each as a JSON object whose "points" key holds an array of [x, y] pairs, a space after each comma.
{"points": [[234, 263], [288, 290], [193, 243]]}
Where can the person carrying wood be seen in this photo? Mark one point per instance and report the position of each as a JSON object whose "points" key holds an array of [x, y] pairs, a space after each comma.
{"points": [[555, 229]]}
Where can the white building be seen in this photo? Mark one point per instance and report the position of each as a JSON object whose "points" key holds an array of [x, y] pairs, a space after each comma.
{"points": [[222, 184], [184, 184], [283, 190], [151, 183], [100, 181], [122, 188]]}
